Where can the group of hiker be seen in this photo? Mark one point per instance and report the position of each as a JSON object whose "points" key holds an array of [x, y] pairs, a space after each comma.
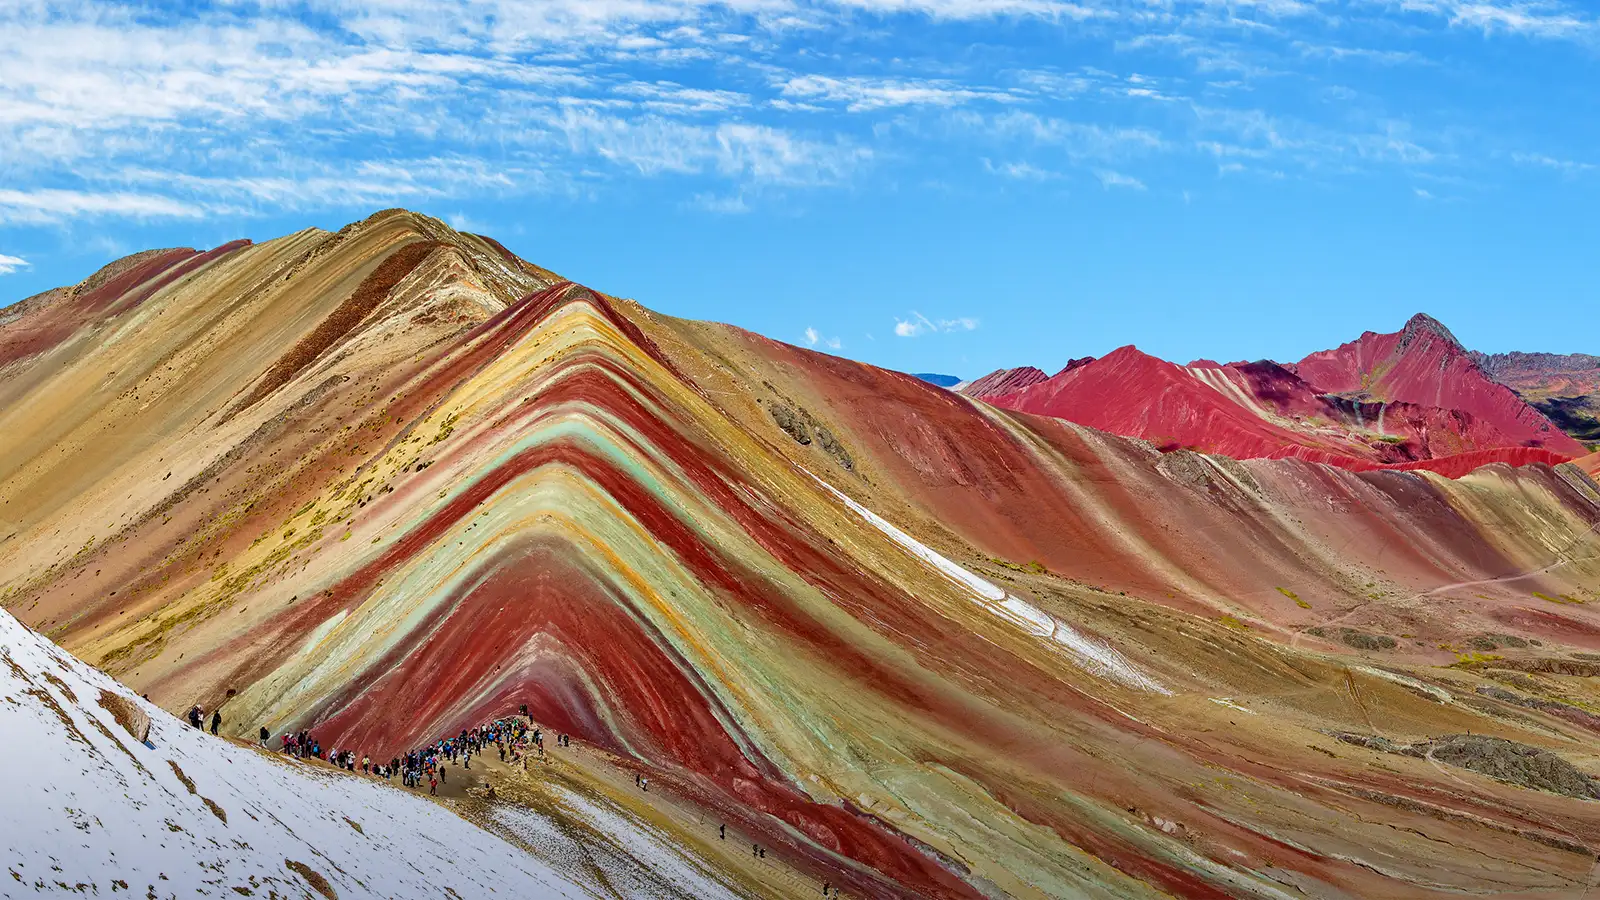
{"points": [[513, 738], [198, 715]]}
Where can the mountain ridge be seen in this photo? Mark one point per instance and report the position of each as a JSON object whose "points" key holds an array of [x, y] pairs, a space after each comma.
{"points": [[1335, 406], [913, 643]]}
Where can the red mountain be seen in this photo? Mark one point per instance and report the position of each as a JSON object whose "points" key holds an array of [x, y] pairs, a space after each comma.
{"points": [[1247, 410], [1538, 375], [1004, 381], [1413, 399], [1566, 388], [1424, 363]]}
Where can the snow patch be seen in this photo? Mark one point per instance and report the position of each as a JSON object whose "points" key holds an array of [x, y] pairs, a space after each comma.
{"points": [[632, 857], [93, 809], [1090, 655], [1437, 693]]}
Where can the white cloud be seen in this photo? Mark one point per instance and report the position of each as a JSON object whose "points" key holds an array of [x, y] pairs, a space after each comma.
{"points": [[1020, 171], [758, 154], [1110, 179], [815, 337], [1540, 160], [975, 9], [1365, 54], [53, 205], [1079, 140], [9, 264], [860, 94], [1422, 193], [1528, 19], [670, 97], [731, 205], [254, 107], [918, 325]]}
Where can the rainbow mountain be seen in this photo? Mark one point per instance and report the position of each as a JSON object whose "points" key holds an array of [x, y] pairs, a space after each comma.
{"points": [[392, 481]]}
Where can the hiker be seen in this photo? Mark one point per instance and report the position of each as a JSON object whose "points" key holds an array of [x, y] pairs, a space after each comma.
{"points": [[194, 716], [722, 832], [441, 774], [433, 786], [265, 735], [216, 720]]}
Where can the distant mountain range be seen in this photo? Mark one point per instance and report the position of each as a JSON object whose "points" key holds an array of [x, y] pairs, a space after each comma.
{"points": [[1566, 388], [1415, 398]]}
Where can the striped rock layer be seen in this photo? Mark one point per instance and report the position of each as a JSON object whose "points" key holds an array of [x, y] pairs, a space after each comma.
{"points": [[388, 482]]}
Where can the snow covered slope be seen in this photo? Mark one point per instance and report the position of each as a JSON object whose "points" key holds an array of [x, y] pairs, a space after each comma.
{"points": [[89, 809]]}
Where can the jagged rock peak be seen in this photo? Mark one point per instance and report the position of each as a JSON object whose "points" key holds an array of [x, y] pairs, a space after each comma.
{"points": [[1421, 324]]}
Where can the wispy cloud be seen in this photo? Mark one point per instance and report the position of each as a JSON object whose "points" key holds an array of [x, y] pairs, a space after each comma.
{"points": [[859, 94], [815, 338], [1110, 179], [258, 107], [1078, 140], [1020, 171], [53, 205], [759, 154], [1531, 18], [1565, 166], [726, 205], [918, 325], [9, 264]]}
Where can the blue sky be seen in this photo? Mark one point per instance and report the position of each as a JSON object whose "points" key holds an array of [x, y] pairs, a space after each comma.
{"points": [[930, 185]]}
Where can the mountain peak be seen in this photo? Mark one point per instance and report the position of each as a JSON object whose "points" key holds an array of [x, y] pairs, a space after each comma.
{"points": [[1422, 324], [1004, 381]]}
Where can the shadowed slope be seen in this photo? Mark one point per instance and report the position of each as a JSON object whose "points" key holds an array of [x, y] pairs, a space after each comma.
{"points": [[1565, 388]]}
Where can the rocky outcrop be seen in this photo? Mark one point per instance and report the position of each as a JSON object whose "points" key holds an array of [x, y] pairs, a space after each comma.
{"points": [[1501, 759]]}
